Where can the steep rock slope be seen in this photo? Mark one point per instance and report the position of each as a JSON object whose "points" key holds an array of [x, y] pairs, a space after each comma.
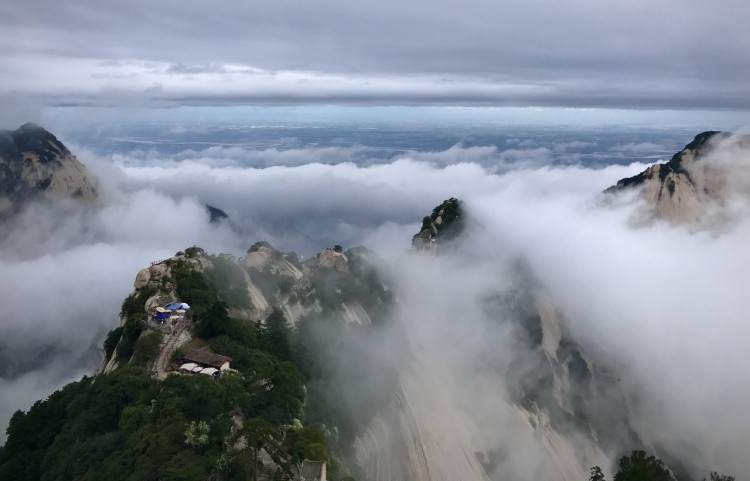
{"points": [[534, 393], [34, 162], [446, 222], [682, 189]]}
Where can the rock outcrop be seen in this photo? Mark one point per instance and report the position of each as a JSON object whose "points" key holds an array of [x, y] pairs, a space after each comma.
{"points": [[683, 189], [34, 163], [215, 214], [334, 284], [445, 223], [333, 258], [542, 398]]}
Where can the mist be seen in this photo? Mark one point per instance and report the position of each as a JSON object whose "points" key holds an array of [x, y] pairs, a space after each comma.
{"points": [[661, 304]]}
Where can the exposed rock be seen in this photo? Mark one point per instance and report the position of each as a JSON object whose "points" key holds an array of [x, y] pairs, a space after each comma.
{"points": [[159, 271], [229, 257], [34, 163], [160, 299], [265, 258], [551, 331], [215, 214], [256, 260], [333, 259], [681, 190], [142, 278], [445, 223], [354, 313], [553, 403]]}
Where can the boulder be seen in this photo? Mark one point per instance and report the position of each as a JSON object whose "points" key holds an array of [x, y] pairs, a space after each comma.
{"points": [[142, 278], [334, 260]]}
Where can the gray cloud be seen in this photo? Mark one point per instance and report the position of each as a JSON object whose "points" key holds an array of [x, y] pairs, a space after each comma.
{"points": [[634, 55]]}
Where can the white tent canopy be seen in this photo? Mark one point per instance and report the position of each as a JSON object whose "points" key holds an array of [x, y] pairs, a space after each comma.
{"points": [[188, 366], [209, 371]]}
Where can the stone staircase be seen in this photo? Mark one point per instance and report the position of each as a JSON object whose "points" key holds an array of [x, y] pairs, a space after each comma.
{"points": [[159, 368]]}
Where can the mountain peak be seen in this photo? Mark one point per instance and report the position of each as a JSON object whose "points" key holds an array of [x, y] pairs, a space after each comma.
{"points": [[31, 126], [678, 189], [34, 162], [445, 223]]}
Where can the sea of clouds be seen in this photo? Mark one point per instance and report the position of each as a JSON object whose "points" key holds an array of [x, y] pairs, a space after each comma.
{"points": [[664, 305]]}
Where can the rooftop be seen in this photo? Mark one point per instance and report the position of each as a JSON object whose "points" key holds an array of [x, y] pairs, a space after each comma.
{"points": [[207, 358]]}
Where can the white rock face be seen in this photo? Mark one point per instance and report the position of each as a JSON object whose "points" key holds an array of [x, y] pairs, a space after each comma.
{"points": [[66, 179], [354, 313], [675, 198], [428, 433], [335, 260], [261, 306], [257, 260], [459, 410], [142, 278], [551, 334], [159, 271], [694, 187], [34, 163]]}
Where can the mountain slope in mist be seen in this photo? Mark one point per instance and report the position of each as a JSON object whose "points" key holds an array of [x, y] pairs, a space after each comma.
{"points": [[32, 163], [283, 322], [522, 399], [684, 189], [335, 284], [531, 335]]}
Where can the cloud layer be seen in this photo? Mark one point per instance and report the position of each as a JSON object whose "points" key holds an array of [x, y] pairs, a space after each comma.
{"points": [[663, 305], [636, 54]]}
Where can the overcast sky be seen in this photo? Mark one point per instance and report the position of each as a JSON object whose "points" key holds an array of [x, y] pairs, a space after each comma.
{"points": [[652, 54]]}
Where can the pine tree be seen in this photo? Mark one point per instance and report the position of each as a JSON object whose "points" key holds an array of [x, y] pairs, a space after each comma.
{"points": [[640, 467], [596, 474]]}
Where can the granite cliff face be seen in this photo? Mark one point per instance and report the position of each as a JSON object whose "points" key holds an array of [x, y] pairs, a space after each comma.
{"points": [[533, 391], [682, 190], [33, 163]]}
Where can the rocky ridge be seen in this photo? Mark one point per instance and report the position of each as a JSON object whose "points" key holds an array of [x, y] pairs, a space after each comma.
{"points": [[34, 163], [446, 222], [560, 401], [335, 283], [682, 189]]}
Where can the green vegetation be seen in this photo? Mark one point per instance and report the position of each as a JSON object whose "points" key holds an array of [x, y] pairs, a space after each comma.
{"points": [[110, 343], [596, 474], [228, 279], [640, 466], [452, 224], [133, 312], [126, 425], [256, 247], [194, 251], [147, 348], [284, 396], [134, 303], [193, 288], [130, 334]]}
